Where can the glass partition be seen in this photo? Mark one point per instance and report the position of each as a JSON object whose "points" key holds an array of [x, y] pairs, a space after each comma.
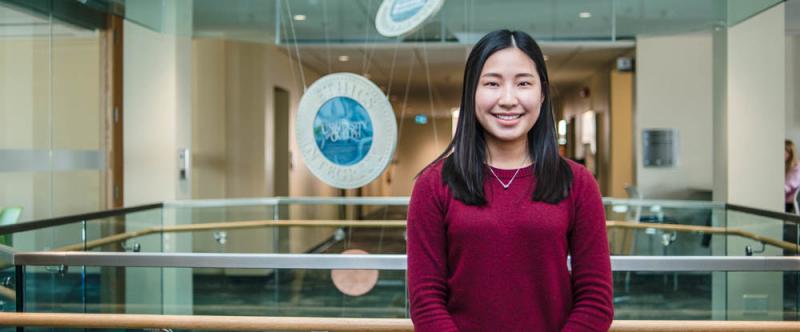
{"points": [[52, 153], [655, 291], [237, 288]]}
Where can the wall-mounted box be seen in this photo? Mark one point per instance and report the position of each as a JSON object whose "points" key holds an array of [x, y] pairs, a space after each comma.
{"points": [[660, 147]]}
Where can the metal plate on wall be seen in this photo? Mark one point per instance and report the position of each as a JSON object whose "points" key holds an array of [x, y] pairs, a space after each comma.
{"points": [[660, 147]]}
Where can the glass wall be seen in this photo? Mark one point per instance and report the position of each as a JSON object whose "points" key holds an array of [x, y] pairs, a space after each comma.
{"points": [[52, 106]]}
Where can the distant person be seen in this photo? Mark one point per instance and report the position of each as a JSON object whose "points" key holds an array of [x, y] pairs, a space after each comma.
{"points": [[792, 174], [492, 220]]}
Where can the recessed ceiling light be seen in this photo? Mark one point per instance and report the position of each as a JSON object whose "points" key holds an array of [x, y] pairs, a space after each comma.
{"points": [[585, 15], [299, 17], [344, 58]]}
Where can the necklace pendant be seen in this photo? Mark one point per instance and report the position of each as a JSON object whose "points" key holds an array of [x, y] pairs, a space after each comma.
{"points": [[505, 185]]}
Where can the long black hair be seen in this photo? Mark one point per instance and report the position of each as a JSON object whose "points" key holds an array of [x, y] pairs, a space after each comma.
{"points": [[464, 169]]}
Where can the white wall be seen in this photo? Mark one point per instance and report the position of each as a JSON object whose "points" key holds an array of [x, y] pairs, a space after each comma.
{"points": [[756, 110], [150, 118], [793, 87], [417, 146], [673, 90], [756, 107]]}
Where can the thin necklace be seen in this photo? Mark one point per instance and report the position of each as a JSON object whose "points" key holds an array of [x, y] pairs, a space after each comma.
{"points": [[506, 185]]}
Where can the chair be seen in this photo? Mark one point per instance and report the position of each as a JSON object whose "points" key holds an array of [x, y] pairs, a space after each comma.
{"points": [[9, 216]]}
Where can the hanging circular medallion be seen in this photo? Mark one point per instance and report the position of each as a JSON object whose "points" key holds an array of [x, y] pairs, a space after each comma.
{"points": [[400, 17], [354, 282], [346, 130]]}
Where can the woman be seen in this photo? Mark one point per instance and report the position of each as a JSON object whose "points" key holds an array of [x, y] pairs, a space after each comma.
{"points": [[492, 220], [791, 174]]}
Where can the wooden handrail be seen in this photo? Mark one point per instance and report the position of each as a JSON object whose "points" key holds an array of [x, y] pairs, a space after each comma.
{"points": [[702, 325], [401, 224], [251, 323], [231, 225], [704, 229]]}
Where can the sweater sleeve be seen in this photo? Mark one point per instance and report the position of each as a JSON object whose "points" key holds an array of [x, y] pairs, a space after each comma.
{"points": [[592, 287], [792, 181], [427, 257]]}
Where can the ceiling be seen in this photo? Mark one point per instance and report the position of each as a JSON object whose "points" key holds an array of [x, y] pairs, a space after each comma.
{"points": [[412, 66], [348, 21], [576, 47], [20, 23]]}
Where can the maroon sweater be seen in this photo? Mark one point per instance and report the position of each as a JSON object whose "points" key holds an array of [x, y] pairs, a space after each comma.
{"points": [[503, 266]]}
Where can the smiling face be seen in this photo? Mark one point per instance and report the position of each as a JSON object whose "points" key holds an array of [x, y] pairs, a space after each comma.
{"points": [[509, 97]]}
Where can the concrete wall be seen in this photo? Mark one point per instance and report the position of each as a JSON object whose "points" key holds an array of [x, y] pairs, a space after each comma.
{"points": [[673, 90]]}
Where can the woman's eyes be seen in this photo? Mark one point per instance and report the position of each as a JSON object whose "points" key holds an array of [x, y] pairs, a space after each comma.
{"points": [[495, 84]]}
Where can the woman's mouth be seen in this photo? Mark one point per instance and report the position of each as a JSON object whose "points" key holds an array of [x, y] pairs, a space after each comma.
{"points": [[507, 117]]}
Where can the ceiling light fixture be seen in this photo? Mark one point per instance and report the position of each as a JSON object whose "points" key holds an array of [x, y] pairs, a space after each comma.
{"points": [[546, 58], [584, 14], [299, 17], [344, 58]]}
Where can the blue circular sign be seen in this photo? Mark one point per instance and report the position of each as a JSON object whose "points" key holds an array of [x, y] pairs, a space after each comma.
{"points": [[343, 131], [405, 9], [400, 17]]}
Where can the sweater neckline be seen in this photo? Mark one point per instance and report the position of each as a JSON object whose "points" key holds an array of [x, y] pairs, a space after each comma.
{"points": [[508, 173]]}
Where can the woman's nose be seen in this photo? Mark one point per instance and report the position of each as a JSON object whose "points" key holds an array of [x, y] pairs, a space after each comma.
{"points": [[508, 98]]}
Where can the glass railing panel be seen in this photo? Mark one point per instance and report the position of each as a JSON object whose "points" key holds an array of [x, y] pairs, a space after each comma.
{"points": [[230, 292], [8, 287], [139, 231], [300, 292], [753, 230], [50, 238], [761, 235], [313, 289], [220, 229], [249, 225], [81, 289], [663, 295], [387, 236], [653, 241], [665, 228], [56, 288], [705, 296]]}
